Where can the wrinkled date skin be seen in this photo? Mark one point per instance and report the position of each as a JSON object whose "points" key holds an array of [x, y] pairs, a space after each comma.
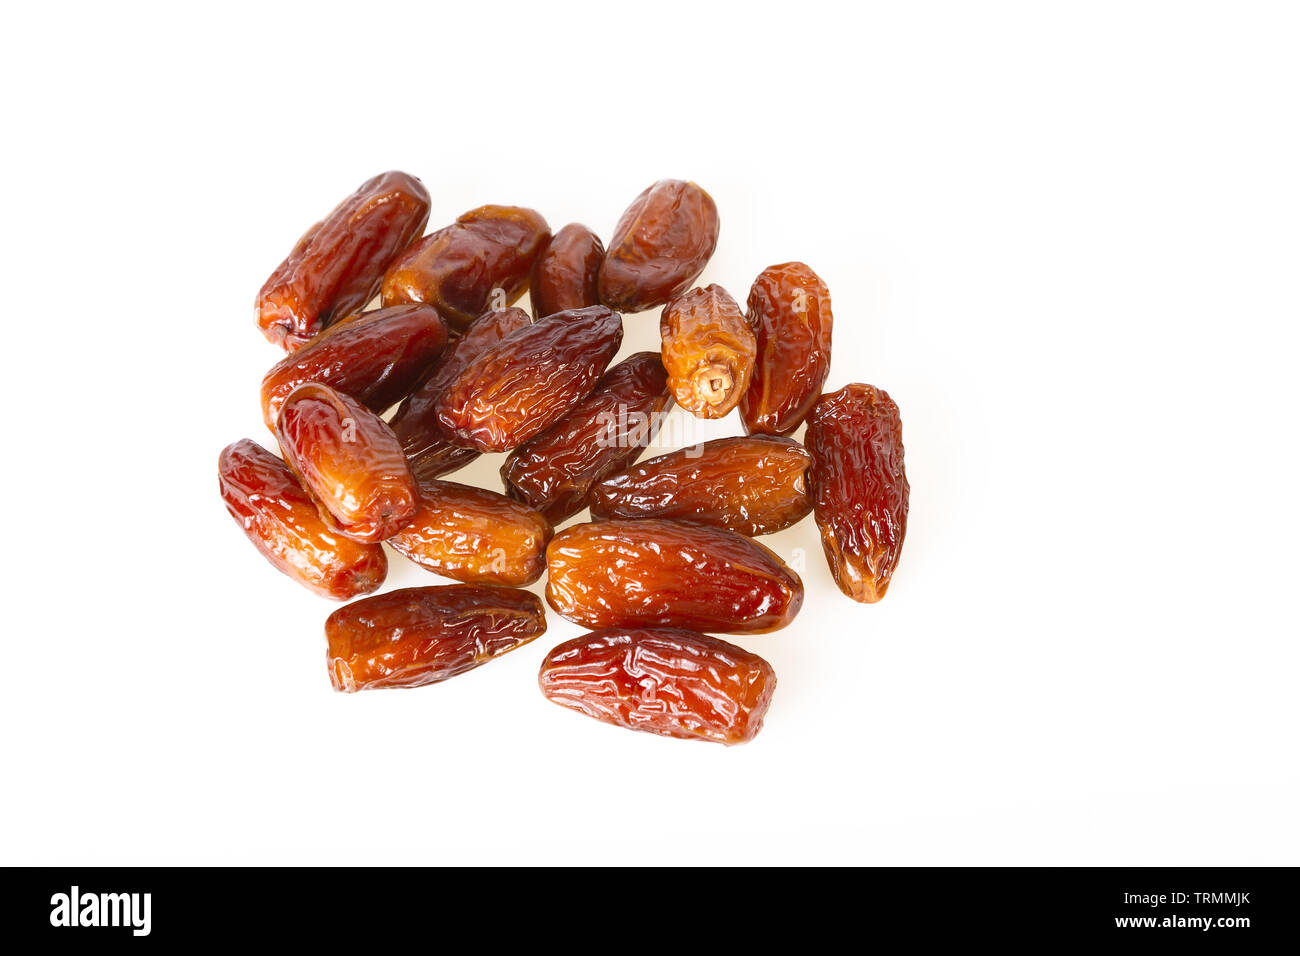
{"points": [[789, 310], [666, 681], [376, 357], [428, 446], [350, 461], [655, 573], [458, 269], [660, 246], [530, 380], [337, 267], [284, 523], [750, 485], [554, 472], [476, 536], [859, 487], [708, 350], [567, 273], [417, 636]]}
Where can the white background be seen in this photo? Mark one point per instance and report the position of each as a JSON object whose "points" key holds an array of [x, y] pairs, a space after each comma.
{"points": [[1064, 237]]}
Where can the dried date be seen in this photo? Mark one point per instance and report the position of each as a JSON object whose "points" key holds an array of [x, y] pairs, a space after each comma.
{"points": [[752, 485], [708, 350], [566, 274], [605, 433], [859, 487], [376, 358], [284, 523], [657, 573], [475, 535], [530, 380], [666, 681], [338, 265], [479, 262], [789, 309], [350, 461], [428, 446], [660, 246], [417, 636]]}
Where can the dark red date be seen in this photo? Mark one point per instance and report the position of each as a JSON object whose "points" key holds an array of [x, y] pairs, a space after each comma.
{"points": [[660, 246], [751, 485], [479, 262], [336, 268], [417, 636], [859, 487], [666, 681], [530, 380], [606, 432], [567, 273], [428, 446], [376, 358], [790, 312]]}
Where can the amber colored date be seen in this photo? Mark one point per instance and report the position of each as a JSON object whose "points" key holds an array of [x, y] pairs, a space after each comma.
{"points": [[376, 358], [666, 681], [284, 523], [605, 433], [708, 350], [337, 267], [428, 446], [479, 262], [790, 311], [350, 461], [567, 272], [657, 573], [859, 487], [475, 535], [530, 380], [417, 636], [660, 246], [750, 485]]}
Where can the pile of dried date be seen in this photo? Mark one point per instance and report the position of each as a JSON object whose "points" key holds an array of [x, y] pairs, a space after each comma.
{"points": [[669, 553]]}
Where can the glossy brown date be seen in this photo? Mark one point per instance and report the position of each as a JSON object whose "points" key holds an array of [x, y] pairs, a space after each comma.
{"points": [[660, 246], [350, 461], [708, 350], [284, 523], [666, 681], [475, 535], [656, 573], [417, 636], [376, 358], [566, 274], [789, 309], [750, 485], [530, 380], [428, 446], [337, 267], [479, 262], [605, 433], [859, 487]]}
